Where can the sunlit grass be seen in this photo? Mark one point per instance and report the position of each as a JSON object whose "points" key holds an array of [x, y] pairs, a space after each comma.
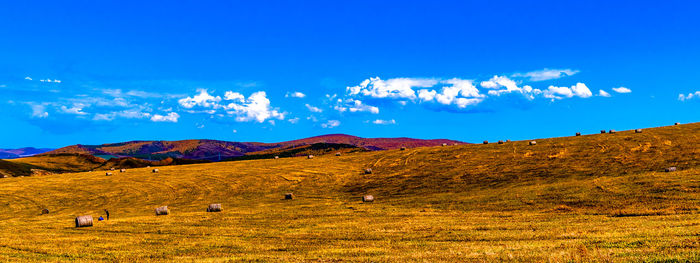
{"points": [[588, 198]]}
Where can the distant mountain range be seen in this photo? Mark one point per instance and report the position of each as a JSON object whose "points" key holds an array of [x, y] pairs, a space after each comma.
{"points": [[214, 150], [21, 152]]}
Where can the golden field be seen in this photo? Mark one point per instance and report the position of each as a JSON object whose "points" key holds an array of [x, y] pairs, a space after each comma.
{"points": [[600, 197]]}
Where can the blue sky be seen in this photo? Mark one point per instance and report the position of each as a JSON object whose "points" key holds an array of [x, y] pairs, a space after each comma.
{"points": [[97, 72]]}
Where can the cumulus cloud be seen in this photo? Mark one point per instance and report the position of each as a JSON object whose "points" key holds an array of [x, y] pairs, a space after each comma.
{"points": [[203, 99], [690, 96], [295, 94], [331, 124], [312, 108], [255, 108], [603, 93], [500, 85], [235, 96], [353, 105], [578, 90], [391, 88], [170, 117], [449, 95], [545, 74], [384, 122], [622, 90]]}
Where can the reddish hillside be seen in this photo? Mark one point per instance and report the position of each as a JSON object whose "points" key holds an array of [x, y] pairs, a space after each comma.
{"points": [[370, 143], [214, 150]]}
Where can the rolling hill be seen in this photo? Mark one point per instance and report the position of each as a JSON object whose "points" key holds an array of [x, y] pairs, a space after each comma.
{"points": [[602, 197], [214, 150]]}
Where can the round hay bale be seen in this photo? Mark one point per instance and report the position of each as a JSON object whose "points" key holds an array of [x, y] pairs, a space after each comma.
{"points": [[677, 123], [108, 174], [508, 140], [162, 211], [368, 198], [612, 131], [310, 156], [500, 142], [44, 211], [638, 131], [578, 134], [337, 154], [122, 170], [83, 221], [602, 131], [277, 157], [486, 142], [533, 143], [368, 171], [156, 170], [214, 208], [111, 169], [444, 144], [403, 148], [288, 196], [670, 169]]}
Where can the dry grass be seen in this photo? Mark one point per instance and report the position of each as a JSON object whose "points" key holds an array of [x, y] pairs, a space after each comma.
{"points": [[587, 198]]}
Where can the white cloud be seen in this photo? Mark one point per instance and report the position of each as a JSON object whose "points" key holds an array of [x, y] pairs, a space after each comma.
{"points": [[358, 106], [28, 78], [546, 74], [294, 120], [622, 90], [39, 110], [235, 96], [77, 109], [295, 94], [498, 82], [449, 94], [694, 95], [353, 105], [578, 90], [331, 124], [171, 117], [203, 99], [312, 108], [254, 108], [103, 117], [127, 114], [391, 88], [463, 87], [426, 95], [384, 122], [603, 93]]}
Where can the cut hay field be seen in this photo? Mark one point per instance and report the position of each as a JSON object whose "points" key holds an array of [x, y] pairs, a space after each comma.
{"points": [[602, 197]]}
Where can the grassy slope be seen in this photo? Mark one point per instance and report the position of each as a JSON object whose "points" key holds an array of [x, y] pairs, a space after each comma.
{"points": [[62, 162], [10, 169], [588, 198]]}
